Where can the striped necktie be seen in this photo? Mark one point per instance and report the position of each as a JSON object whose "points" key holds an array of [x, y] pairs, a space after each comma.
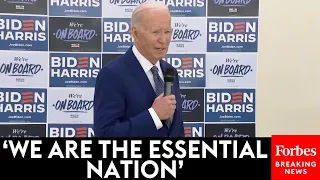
{"points": [[158, 83]]}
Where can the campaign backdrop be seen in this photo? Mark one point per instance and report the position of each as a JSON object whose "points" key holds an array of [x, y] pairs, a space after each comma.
{"points": [[51, 52]]}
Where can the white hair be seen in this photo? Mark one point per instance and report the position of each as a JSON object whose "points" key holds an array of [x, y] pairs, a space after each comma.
{"points": [[138, 11]]}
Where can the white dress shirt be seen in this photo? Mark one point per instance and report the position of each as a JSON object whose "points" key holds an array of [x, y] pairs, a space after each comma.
{"points": [[147, 65]]}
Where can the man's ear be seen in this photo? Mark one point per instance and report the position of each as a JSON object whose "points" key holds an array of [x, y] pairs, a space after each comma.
{"points": [[135, 34]]}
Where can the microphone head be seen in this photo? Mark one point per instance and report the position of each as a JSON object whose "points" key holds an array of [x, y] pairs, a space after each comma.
{"points": [[169, 75]]}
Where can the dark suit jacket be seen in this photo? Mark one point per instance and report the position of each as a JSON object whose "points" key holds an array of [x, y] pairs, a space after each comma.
{"points": [[123, 95]]}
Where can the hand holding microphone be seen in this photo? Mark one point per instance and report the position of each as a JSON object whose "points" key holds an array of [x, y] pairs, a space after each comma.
{"points": [[165, 104]]}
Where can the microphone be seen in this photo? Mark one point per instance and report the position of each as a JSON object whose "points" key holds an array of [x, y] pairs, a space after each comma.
{"points": [[168, 81], [168, 84]]}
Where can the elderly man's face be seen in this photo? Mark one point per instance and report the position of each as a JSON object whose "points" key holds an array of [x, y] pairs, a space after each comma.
{"points": [[154, 36]]}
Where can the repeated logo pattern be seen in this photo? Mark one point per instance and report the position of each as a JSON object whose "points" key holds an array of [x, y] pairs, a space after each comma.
{"points": [[52, 51]]}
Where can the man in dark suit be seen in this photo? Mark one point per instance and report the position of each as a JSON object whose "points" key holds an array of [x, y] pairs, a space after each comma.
{"points": [[129, 99]]}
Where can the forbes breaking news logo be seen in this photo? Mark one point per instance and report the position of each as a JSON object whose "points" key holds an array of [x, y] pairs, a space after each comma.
{"points": [[295, 155], [116, 34], [193, 129], [23, 33], [23, 105], [191, 68], [230, 105], [298, 166], [89, 8], [227, 34], [70, 130], [186, 7], [74, 70]]}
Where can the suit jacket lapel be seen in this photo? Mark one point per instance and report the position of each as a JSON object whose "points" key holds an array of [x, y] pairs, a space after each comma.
{"points": [[139, 75], [163, 66]]}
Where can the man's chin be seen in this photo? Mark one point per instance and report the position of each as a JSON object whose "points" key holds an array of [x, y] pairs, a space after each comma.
{"points": [[162, 56]]}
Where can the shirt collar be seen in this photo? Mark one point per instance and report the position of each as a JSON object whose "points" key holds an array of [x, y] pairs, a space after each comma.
{"points": [[146, 64]]}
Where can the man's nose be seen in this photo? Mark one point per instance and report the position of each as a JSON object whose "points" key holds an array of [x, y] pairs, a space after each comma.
{"points": [[162, 38]]}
